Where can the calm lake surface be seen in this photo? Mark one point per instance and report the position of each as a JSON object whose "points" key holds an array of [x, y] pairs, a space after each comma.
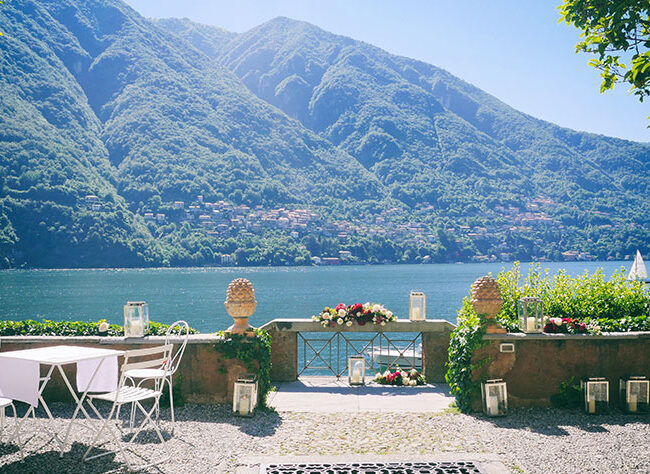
{"points": [[197, 294]]}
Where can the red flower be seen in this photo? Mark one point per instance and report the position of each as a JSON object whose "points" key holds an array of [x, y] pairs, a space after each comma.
{"points": [[361, 322], [340, 306]]}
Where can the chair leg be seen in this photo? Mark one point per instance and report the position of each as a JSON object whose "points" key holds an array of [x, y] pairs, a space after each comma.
{"points": [[171, 401], [17, 431]]}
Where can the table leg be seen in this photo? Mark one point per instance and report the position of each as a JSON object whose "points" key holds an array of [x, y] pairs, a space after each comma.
{"points": [[78, 400]]}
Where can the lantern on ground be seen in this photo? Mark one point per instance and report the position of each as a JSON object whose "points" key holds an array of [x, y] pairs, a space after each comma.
{"points": [[244, 398], [596, 395], [136, 319], [634, 394], [357, 370], [417, 306], [530, 311], [495, 397]]}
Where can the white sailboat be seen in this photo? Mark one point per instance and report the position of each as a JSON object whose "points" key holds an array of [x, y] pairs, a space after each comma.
{"points": [[638, 270]]}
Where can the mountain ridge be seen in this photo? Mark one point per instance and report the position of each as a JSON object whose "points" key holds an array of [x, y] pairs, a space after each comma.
{"points": [[393, 155]]}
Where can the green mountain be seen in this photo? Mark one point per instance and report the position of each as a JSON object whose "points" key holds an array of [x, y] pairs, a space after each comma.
{"points": [[283, 143]]}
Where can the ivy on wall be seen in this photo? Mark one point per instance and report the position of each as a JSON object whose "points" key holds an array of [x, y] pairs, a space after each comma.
{"points": [[255, 353], [465, 340]]}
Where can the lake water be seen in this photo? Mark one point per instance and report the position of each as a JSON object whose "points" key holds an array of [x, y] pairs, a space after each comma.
{"points": [[197, 294]]}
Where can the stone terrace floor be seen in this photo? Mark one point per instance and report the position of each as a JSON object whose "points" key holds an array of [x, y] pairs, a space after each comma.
{"points": [[211, 439]]}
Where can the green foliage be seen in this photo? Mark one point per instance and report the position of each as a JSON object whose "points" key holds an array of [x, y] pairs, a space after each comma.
{"points": [[254, 350], [465, 340], [569, 395], [618, 34], [100, 101], [615, 304], [30, 327]]}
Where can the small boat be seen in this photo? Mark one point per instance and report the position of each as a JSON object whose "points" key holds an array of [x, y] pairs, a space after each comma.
{"points": [[405, 358], [638, 272]]}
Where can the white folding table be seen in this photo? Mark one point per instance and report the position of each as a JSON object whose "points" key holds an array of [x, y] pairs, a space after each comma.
{"points": [[56, 357]]}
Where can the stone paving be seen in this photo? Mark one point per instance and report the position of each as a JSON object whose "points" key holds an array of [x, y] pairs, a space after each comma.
{"points": [[329, 395]]}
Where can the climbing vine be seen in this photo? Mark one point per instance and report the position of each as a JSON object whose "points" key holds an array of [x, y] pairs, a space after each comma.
{"points": [[255, 353], [465, 340]]}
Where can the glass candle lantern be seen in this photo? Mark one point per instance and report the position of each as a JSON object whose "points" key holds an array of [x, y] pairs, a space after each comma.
{"points": [[596, 395], [244, 398], [634, 394], [136, 319], [530, 311], [356, 370], [495, 397], [417, 306]]}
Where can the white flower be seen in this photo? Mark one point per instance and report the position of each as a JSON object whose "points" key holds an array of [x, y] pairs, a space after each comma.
{"points": [[413, 372], [383, 323], [314, 318], [403, 374], [341, 312], [386, 373], [405, 381], [348, 324], [557, 321], [389, 314], [378, 376], [413, 383], [103, 327], [325, 315], [376, 308], [340, 321]]}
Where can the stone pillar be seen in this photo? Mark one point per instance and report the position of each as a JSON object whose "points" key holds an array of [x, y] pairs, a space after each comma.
{"points": [[435, 347], [284, 356]]}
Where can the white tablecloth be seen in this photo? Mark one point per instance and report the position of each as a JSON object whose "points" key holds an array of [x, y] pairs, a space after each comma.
{"points": [[104, 381], [19, 380]]}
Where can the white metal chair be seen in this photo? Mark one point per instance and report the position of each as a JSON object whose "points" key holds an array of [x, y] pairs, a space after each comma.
{"points": [[4, 403], [131, 394], [164, 373]]}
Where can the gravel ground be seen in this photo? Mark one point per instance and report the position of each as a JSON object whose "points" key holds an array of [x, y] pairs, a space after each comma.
{"points": [[210, 439]]}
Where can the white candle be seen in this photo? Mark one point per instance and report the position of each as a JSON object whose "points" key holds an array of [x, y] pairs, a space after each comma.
{"points": [[592, 405], [493, 406], [243, 406], [416, 314], [356, 376], [633, 403], [530, 324], [136, 328]]}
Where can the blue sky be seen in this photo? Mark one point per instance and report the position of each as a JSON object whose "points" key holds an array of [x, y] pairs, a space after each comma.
{"points": [[514, 49]]}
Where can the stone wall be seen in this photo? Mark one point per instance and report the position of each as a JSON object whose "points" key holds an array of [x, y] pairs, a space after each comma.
{"points": [[204, 376], [540, 362]]}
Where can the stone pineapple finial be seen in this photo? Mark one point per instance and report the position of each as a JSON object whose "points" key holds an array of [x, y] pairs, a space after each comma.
{"points": [[240, 304], [487, 302]]}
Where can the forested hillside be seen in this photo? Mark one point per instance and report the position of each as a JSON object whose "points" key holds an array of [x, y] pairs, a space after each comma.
{"points": [[126, 141]]}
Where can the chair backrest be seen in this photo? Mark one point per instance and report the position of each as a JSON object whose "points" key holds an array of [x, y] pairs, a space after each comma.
{"points": [[156, 357], [179, 328]]}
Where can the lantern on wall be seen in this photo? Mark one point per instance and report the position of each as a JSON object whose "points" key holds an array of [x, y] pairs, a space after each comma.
{"points": [[495, 397], [244, 398], [596, 395], [357, 370], [136, 319], [634, 394], [530, 311], [417, 306]]}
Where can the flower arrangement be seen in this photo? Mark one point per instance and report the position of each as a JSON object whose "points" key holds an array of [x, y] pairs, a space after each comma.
{"points": [[400, 377], [565, 325], [360, 313]]}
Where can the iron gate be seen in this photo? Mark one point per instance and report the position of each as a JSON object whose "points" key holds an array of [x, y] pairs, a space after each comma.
{"points": [[329, 352]]}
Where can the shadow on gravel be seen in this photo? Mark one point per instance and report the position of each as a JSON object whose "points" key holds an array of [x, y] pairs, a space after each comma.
{"points": [[552, 422], [50, 461]]}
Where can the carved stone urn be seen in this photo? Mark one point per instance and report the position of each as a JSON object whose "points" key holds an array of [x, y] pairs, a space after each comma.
{"points": [[487, 302], [240, 304]]}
